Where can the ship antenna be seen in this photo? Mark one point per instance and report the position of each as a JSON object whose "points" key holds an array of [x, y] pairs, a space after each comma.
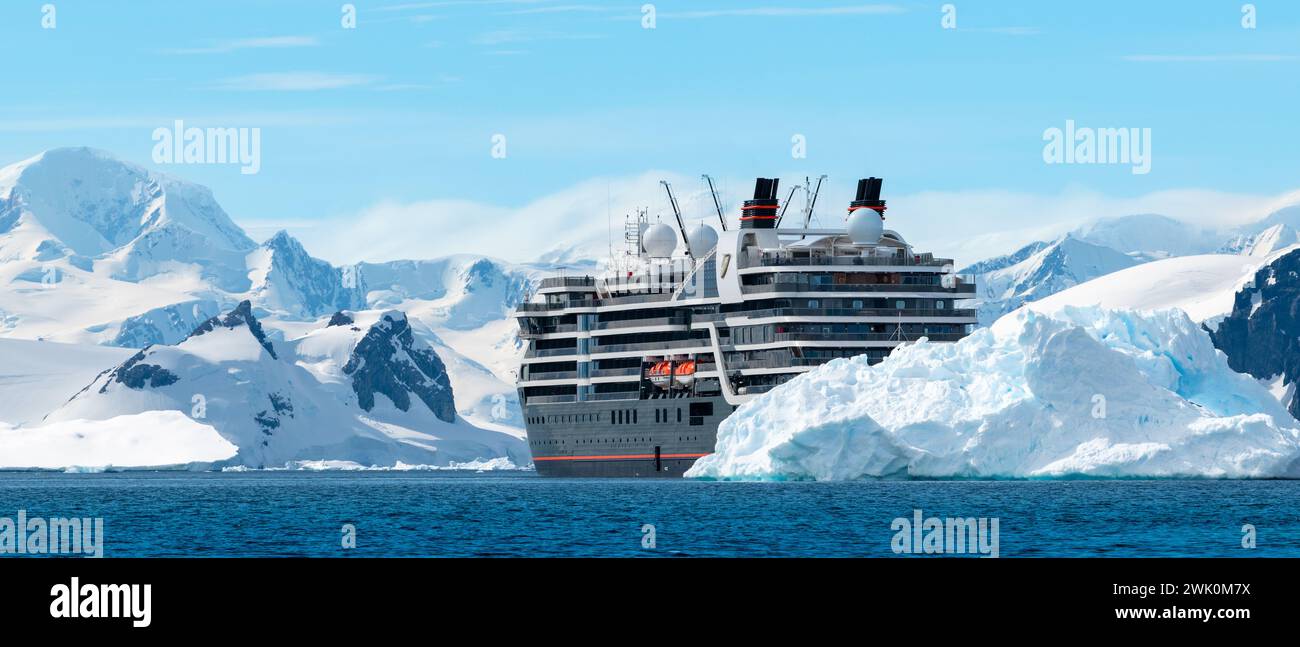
{"points": [[716, 203], [812, 201], [899, 335], [609, 220]]}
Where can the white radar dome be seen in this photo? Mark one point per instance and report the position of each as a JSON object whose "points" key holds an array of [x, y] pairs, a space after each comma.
{"points": [[659, 241], [865, 226], [701, 240]]}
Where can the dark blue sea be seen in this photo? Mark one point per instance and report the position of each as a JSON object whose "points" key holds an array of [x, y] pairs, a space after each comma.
{"points": [[446, 514]]}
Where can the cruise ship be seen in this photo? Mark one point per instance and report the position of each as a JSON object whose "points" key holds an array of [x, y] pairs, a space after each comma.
{"points": [[629, 374]]}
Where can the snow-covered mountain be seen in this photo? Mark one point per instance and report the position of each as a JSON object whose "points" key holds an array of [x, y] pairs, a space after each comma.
{"points": [[1149, 236], [1039, 270], [361, 388], [288, 282], [93, 251], [92, 210], [1263, 243]]}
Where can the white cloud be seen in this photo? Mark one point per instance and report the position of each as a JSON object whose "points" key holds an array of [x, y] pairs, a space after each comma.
{"points": [[966, 225], [787, 12], [271, 42], [293, 81], [569, 8]]}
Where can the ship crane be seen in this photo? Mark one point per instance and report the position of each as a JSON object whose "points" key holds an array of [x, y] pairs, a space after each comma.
{"points": [[716, 203], [681, 226]]}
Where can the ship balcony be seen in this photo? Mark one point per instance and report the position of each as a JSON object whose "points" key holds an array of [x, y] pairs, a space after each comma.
{"points": [[614, 395], [789, 362], [917, 260], [539, 332], [634, 299], [800, 286], [858, 337], [563, 283], [541, 376], [550, 399], [653, 346], [658, 324], [633, 371], [551, 352], [945, 314]]}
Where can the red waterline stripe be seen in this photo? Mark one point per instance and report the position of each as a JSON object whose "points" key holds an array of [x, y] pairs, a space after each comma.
{"points": [[622, 457]]}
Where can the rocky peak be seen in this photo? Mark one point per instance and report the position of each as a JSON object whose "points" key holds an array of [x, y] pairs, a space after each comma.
{"points": [[1262, 334], [390, 360], [241, 315]]}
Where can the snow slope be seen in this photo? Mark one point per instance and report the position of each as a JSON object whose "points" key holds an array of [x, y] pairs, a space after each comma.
{"points": [[148, 439], [1202, 286], [1079, 392], [38, 376]]}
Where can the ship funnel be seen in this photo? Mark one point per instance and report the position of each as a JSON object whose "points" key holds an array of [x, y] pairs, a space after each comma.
{"points": [[760, 212], [868, 195], [867, 213]]}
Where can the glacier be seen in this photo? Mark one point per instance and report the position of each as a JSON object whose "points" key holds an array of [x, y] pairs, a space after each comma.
{"points": [[1081, 391]]}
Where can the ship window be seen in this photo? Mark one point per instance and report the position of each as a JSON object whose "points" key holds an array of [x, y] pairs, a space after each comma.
{"points": [[679, 414], [857, 304], [814, 303], [938, 305], [634, 416], [656, 415], [900, 304]]}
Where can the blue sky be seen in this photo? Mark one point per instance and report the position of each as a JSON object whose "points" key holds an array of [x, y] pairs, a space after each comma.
{"points": [[402, 109]]}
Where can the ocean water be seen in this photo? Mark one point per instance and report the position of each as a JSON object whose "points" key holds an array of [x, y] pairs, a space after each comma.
{"points": [[520, 514]]}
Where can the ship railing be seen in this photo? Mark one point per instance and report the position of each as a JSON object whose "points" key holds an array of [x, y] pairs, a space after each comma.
{"points": [[804, 286], [547, 330], [616, 372], [551, 375], [675, 320], [654, 297], [920, 260], [889, 336], [965, 313], [567, 282], [616, 395], [550, 399], [551, 352], [650, 346]]}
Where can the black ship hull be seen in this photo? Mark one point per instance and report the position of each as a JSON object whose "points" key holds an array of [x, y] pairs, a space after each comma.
{"points": [[655, 438]]}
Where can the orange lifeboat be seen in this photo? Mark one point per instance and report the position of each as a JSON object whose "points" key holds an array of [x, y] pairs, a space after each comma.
{"points": [[661, 374], [684, 376]]}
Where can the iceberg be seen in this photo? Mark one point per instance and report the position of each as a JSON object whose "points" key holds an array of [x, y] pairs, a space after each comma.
{"points": [[1076, 392]]}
